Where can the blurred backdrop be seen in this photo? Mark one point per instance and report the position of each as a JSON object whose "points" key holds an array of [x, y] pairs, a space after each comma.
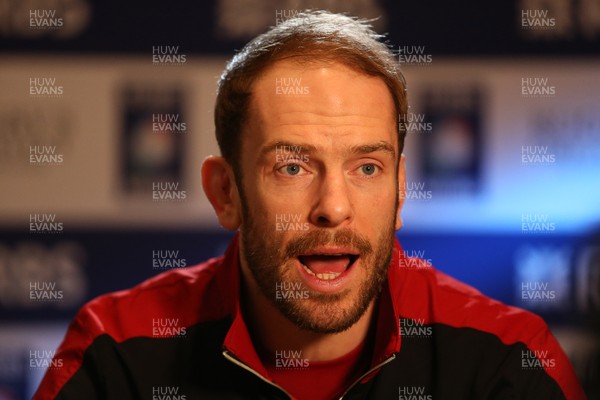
{"points": [[106, 116]]}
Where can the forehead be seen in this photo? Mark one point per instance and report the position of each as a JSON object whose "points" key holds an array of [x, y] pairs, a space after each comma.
{"points": [[329, 97]]}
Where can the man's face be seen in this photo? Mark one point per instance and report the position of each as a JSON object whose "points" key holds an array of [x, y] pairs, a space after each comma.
{"points": [[319, 191]]}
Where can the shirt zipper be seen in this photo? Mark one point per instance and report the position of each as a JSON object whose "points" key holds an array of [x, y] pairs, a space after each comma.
{"points": [[234, 360], [363, 376]]}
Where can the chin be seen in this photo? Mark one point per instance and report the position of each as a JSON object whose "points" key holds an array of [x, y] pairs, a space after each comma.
{"points": [[334, 316]]}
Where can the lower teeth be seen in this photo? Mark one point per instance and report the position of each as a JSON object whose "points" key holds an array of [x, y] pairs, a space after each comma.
{"points": [[325, 276]]}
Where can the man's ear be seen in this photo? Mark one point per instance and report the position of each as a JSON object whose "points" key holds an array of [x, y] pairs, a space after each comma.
{"points": [[401, 191], [220, 187]]}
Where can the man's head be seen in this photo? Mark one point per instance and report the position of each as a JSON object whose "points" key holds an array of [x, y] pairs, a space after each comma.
{"points": [[307, 122], [309, 37]]}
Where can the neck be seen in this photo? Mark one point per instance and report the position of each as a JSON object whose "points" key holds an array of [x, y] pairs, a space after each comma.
{"points": [[272, 331]]}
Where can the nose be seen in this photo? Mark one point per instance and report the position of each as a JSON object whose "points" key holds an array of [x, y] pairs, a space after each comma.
{"points": [[332, 206]]}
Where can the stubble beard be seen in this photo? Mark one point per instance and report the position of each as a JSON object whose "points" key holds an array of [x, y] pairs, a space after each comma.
{"points": [[271, 262]]}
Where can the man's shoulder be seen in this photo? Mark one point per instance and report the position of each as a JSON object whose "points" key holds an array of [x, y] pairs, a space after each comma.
{"points": [[182, 296], [441, 299], [463, 322], [167, 306]]}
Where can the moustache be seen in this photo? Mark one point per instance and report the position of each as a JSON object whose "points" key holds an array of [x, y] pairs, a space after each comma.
{"points": [[308, 241]]}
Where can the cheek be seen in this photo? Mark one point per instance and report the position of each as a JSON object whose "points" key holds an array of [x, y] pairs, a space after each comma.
{"points": [[277, 201], [376, 202], [374, 215], [270, 215]]}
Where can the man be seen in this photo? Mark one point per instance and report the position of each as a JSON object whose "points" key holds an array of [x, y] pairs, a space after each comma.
{"points": [[314, 297]]}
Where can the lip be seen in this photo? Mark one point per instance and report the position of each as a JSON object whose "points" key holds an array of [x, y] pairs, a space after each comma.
{"points": [[330, 250], [333, 285]]}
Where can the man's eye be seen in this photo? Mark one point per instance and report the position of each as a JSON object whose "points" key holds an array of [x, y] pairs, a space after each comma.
{"points": [[291, 169], [369, 169]]}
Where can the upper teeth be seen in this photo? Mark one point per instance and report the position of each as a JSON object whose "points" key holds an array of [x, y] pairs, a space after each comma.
{"points": [[325, 276]]}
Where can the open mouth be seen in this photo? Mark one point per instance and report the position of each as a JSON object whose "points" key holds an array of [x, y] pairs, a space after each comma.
{"points": [[327, 266]]}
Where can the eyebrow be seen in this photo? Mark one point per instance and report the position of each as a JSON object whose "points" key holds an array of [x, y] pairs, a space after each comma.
{"points": [[372, 148], [360, 149]]}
